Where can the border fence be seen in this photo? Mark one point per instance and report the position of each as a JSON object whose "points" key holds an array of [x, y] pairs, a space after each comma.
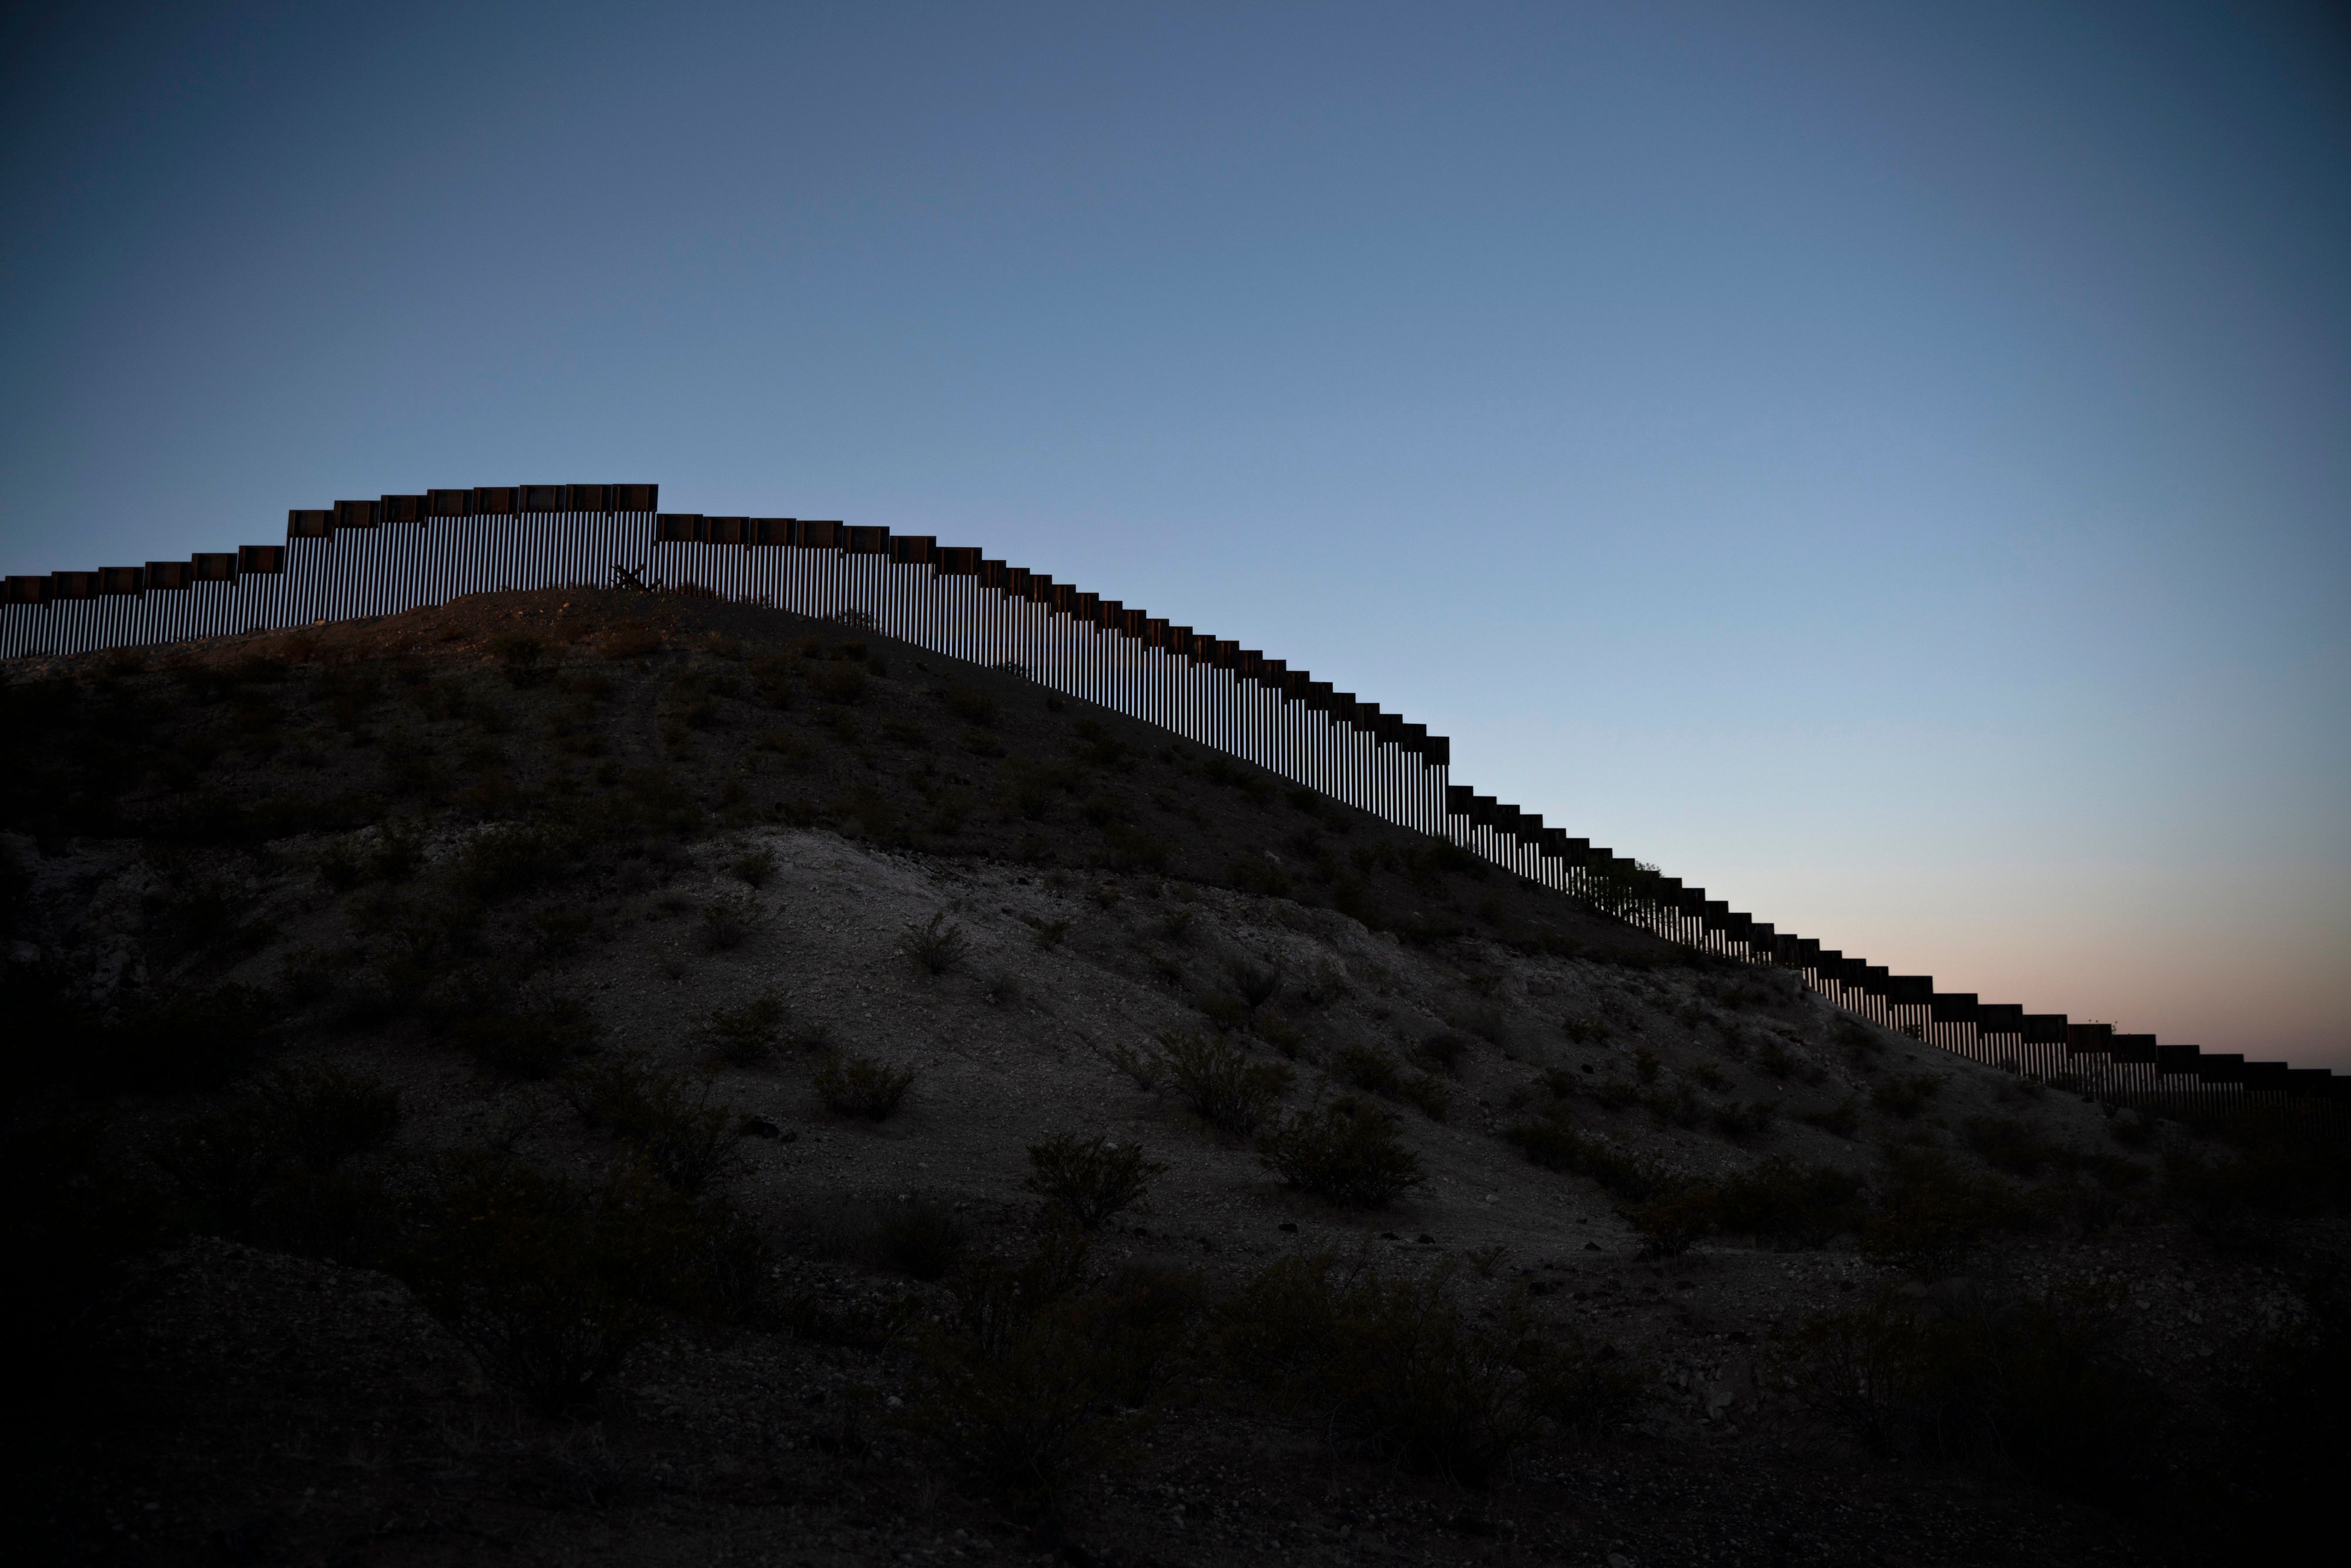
{"points": [[373, 557]]}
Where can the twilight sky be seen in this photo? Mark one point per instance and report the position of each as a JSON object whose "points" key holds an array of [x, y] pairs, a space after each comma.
{"points": [[1892, 468]]}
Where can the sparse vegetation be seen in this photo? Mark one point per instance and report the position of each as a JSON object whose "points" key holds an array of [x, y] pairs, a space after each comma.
{"points": [[1553, 1141], [1778, 1203], [1086, 1181], [936, 943], [860, 1086], [744, 1036], [1217, 1083], [1349, 1152], [459, 847]]}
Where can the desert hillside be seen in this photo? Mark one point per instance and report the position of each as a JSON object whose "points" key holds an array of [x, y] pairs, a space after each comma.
{"points": [[605, 1076]]}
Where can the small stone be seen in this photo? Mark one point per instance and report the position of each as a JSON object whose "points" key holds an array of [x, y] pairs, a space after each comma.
{"points": [[760, 1127], [1426, 1240], [1291, 1226], [1592, 1247]]}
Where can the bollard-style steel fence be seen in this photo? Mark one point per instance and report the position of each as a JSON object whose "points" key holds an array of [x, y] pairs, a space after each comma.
{"points": [[375, 558]]}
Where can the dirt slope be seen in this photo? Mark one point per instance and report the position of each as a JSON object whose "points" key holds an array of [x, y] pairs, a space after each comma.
{"points": [[479, 855]]}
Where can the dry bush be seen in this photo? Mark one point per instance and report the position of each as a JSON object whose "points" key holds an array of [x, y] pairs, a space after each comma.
{"points": [[754, 867], [1256, 984], [1219, 1084], [683, 1138], [1551, 1141], [1087, 1180], [861, 1086], [744, 1036], [1584, 1030], [1349, 1152], [937, 944], [1780, 1203]]}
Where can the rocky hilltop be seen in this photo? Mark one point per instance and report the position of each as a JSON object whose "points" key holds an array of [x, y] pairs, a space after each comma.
{"points": [[607, 1076]]}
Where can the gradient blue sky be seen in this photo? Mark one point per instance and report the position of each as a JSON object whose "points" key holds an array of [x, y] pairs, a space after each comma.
{"points": [[1888, 466]]}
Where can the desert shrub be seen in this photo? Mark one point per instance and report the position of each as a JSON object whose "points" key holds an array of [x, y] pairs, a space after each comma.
{"points": [[1400, 1369], [1219, 1084], [683, 1138], [1707, 1075], [744, 1036], [1551, 1141], [1348, 1152], [1256, 984], [2032, 1383], [936, 943], [1774, 1058], [1931, 1215], [530, 1040], [1780, 1203], [1367, 1067], [1144, 1067], [1842, 1118], [1584, 1030], [1036, 1377], [191, 1040], [753, 867], [1226, 1011], [861, 1086], [1176, 925], [1087, 1180], [1645, 1065], [1906, 1095], [1050, 932]]}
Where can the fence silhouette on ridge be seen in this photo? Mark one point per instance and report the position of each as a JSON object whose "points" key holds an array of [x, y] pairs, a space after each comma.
{"points": [[374, 558]]}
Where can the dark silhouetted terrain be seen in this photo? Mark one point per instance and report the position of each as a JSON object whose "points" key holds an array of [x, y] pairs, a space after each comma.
{"points": [[577, 1076]]}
